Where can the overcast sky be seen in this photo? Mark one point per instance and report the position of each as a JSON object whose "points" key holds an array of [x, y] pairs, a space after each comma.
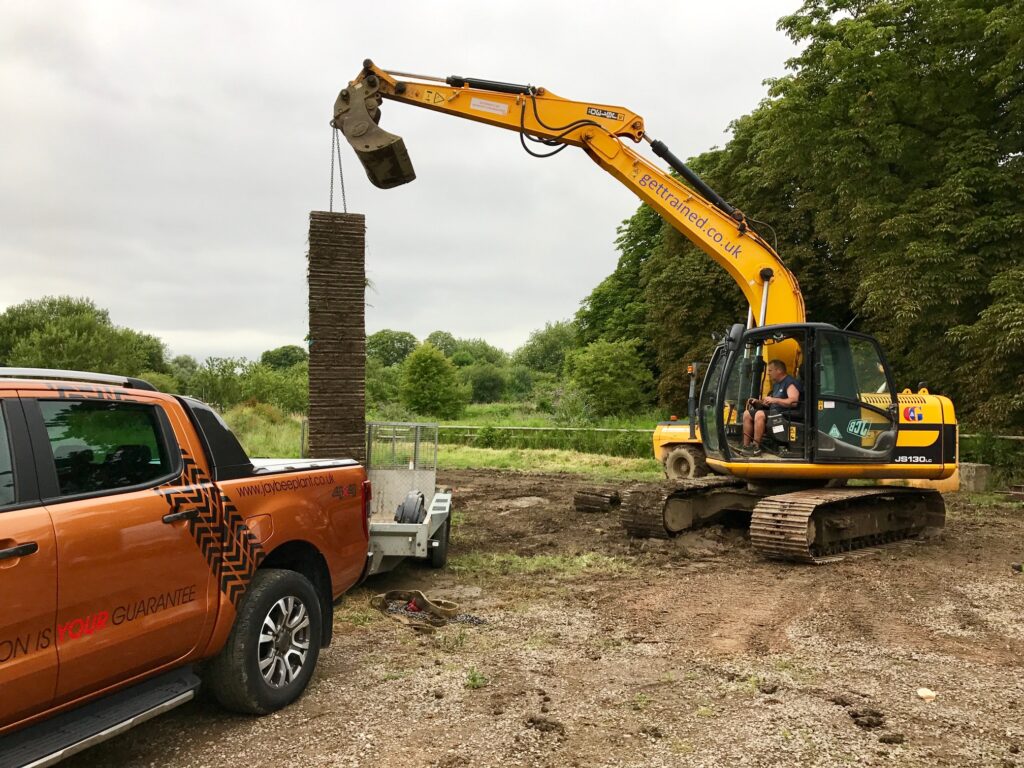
{"points": [[162, 158]]}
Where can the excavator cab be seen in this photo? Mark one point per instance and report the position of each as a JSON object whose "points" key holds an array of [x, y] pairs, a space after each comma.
{"points": [[847, 413]]}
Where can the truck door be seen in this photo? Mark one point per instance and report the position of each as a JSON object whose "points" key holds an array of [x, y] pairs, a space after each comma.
{"points": [[28, 576], [134, 589]]}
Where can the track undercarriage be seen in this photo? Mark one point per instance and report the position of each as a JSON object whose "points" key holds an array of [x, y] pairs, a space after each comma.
{"points": [[810, 525]]}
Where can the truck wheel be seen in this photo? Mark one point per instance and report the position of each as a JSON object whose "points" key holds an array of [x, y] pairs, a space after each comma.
{"points": [[273, 647], [439, 554], [685, 462]]}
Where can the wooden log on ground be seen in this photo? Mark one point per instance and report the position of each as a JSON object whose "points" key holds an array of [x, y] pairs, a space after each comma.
{"points": [[596, 500]]}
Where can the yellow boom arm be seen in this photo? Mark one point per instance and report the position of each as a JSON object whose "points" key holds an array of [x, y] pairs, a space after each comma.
{"points": [[538, 115]]}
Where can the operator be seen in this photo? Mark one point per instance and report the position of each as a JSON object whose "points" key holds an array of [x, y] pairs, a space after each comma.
{"points": [[786, 394]]}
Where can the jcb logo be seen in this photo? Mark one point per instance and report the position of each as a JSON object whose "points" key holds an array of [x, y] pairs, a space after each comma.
{"points": [[858, 427]]}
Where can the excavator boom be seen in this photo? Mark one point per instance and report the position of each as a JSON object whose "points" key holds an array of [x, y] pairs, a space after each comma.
{"points": [[545, 120]]}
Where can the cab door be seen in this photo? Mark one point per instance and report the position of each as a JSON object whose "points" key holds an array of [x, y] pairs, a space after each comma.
{"points": [[855, 408], [134, 587], [28, 576]]}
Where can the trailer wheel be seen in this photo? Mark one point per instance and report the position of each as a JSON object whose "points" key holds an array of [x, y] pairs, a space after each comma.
{"points": [[685, 462], [439, 554], [273, 647]]}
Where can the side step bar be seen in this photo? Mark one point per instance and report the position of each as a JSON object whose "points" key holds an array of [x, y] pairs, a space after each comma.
{"points": [[57, 738]]}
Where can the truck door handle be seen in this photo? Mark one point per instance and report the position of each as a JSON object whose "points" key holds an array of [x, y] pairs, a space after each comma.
{"points": [[185, 514], [21, 550]]}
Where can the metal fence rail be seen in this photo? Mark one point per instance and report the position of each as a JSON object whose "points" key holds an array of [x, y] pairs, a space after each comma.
{"points": [[391, 444], [630, 443]]}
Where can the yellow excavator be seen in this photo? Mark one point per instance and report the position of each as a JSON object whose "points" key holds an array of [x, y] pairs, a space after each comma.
{"points": [[848, 422]]}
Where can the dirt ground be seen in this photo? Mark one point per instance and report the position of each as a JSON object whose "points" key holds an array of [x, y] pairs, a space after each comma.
{"points": [[599, 651]]}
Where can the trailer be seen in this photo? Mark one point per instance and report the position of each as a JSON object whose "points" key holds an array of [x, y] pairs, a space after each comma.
{"points": [[410, 516]]}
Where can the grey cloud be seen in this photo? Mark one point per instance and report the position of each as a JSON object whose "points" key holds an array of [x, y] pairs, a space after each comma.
{"points": [[162, 158]]}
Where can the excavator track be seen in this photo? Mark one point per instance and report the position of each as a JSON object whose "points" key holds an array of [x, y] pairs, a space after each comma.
{"points": [[663, 510], [824, 525]]}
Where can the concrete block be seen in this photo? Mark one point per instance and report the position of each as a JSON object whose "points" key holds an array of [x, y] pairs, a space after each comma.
{"points": [[976, 478]]}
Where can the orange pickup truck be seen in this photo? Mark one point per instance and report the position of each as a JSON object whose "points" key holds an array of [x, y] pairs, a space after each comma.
{"points": [[138, 539]]}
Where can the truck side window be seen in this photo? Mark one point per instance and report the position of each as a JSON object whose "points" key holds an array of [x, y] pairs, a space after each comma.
{"points": [[6, 470], [102, 446]]}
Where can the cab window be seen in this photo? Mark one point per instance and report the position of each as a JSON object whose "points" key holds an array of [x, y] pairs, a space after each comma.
{"points": [[104, 446], [6, 469]]}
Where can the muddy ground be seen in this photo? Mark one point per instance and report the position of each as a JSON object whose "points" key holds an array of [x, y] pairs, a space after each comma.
{"points": [[598, 651]]}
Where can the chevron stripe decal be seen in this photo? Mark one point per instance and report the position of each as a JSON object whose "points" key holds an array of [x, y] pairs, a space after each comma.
{"points": [[231, 550]]}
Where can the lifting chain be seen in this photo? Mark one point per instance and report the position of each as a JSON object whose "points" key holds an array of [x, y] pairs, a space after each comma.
{"points": [[336, 150]]}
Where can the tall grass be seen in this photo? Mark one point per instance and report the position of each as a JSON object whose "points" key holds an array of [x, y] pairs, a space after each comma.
{"points": [[527, 415], [264, 431], [549, 461]]}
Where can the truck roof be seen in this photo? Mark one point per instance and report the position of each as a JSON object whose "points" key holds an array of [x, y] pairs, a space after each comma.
{"points": [[46, 376]]}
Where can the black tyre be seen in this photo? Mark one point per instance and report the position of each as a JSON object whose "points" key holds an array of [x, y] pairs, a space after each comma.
{"points": [[273, 647], [439, 554], [685, 462], [412, 509]]}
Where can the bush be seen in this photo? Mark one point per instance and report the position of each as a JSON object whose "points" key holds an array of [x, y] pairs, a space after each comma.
{"points": [[546, 349], [519, 383], [571, 408], [218, 381], [1006, 456], [486, 382], [283, 358], [612, 377], [390, 347], [382, 383], [430, 384], [165, 382]]}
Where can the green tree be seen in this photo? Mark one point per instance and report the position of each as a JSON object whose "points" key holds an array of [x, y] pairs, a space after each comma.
{"points": [[443, 341], [520, 383], [282, 358], [382, 383], [183, 368], [164, 382], [546, 349], [996, 381], [287, 389], [890, 162], [390, 347], [462, 358], [430, 385], [479, 351], [65, 332], [904, 121], [486, 382], [611, 377], [218, 381]]}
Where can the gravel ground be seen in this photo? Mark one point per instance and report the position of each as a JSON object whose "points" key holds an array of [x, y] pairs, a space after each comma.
{"points": [[599, 651]]}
